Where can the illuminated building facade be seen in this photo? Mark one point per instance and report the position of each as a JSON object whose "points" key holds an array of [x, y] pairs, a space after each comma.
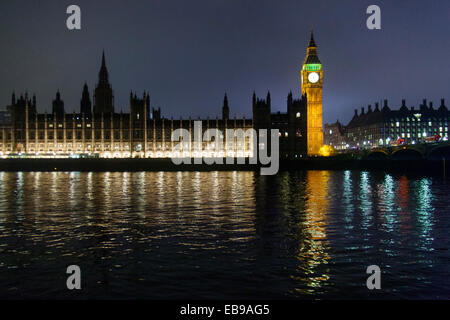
{"points": [[97, 130], [383, 127], [312, 86], [140, 133]]}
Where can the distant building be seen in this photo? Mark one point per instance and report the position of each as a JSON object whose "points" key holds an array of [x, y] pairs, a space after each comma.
{"points": [[383, 127], [334, 135]]}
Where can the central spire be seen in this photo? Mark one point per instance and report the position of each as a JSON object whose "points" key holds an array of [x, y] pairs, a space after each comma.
{"points": [[103, 94], [312, 43], [103, 74]]}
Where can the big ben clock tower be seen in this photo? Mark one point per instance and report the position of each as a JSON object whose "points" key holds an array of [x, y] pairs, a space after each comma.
{"points": [[312, 84]]}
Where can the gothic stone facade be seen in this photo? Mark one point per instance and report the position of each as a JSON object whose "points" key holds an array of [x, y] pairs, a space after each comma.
{"points": [[99, 131]]}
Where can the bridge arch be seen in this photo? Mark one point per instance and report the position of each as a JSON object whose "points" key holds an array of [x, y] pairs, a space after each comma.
{"points": [[439, 152], [407, 153], [378, 154]]}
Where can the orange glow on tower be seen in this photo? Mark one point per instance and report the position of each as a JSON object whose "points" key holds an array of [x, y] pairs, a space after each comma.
{"points": [[312, 84]]}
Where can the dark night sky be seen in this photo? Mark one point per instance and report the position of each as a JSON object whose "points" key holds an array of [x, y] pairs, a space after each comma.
{"points": [[188, 53]]}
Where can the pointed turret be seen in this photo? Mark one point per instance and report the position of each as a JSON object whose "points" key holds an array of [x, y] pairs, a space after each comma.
{"points": [[442, 107], [385, 106], [103, 75], [312, 43], [103, 97], [289, 98], [33, 106], [58, 105], [311, 52], [85, 105], [225, 108], [403, 108], [225, 100]]}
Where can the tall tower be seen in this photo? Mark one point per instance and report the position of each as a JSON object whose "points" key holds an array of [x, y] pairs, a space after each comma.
{"points": [[312, 84], [58, 106], [85, 103], [103, 95]]}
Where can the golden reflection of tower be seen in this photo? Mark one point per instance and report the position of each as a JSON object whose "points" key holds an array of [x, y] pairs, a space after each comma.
{"points": [[317, 203], [313, 246]]}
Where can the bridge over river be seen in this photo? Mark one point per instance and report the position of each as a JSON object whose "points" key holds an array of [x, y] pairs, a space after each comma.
{"points": [[423, 151]]}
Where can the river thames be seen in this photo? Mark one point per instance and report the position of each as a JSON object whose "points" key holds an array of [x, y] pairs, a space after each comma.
{"points": [[230, 235]]}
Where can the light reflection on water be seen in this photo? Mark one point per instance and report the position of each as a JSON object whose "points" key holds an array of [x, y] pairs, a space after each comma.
{"points": [[308, 234]]}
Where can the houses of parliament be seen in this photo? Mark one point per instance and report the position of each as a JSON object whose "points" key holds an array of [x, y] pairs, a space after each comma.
{"points": [[98, 130]]}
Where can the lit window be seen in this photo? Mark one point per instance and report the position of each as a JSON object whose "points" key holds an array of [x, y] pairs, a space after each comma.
{"points": [[297, 115]]}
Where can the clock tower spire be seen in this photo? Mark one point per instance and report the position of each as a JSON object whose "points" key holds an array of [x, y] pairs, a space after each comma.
{"points": [[312, 85]]}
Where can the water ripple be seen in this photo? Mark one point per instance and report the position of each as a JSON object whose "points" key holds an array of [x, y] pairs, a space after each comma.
{"points": [[308, 234]]}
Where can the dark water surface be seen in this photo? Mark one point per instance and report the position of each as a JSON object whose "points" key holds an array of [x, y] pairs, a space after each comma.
{"points": [[303, 235]]}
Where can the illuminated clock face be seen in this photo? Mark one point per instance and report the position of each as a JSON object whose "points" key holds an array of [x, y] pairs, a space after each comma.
{"points": [[313, 77]]}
